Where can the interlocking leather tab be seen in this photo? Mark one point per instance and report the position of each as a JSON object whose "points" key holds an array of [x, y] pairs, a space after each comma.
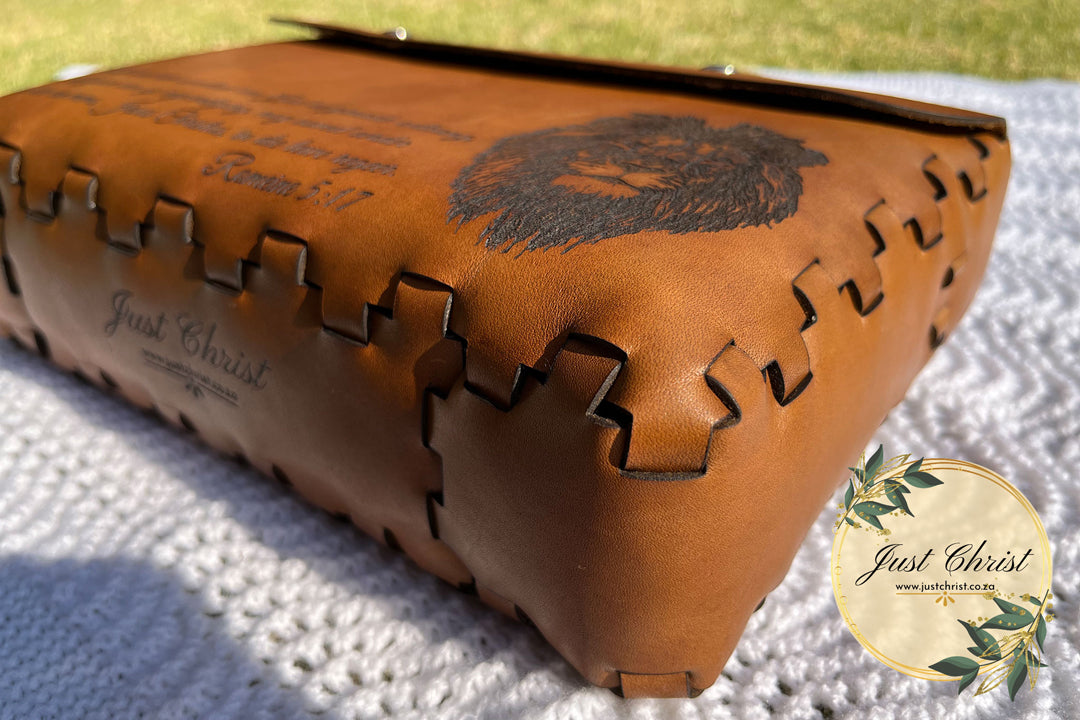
{"points": [[595, 341]]}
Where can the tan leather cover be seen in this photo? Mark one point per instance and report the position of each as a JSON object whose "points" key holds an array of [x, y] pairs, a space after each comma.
{"points": [[596, 341]]}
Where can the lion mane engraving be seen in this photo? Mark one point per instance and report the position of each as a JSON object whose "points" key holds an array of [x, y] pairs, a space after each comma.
{"points": [[562, 187]]}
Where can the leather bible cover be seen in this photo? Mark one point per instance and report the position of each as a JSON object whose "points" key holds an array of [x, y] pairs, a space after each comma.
{"points": [[596, 341]]}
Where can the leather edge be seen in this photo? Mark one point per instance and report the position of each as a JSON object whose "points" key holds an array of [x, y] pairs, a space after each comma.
{"points": [[753, 90]]}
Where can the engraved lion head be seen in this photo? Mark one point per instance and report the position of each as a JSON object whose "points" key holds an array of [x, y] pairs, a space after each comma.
{"points": [[615, 176]]}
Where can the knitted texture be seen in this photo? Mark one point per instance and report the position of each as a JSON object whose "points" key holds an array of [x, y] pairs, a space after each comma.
{"points": [[143, 575]]}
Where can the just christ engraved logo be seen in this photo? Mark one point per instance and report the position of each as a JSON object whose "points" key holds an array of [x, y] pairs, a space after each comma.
{"points": [[562, 187], [201, 350]]}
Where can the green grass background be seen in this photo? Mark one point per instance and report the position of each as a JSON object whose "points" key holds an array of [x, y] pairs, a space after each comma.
{"points": [[995, 38]]}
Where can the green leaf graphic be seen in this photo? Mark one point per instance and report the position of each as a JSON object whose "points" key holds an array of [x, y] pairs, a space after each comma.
{"points": [[849, 495], [873, 508], [1033, 598], [849, 521], [1020, 664], [1017, 676], [897, 498], [874, 463], [922, 479], [914, 467], [1006, 621], [967, 680], [871, 520], [987, 645], [1008, 607], [955, 666]]}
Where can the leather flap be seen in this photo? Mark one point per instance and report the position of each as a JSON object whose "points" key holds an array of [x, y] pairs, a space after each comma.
{"points": [[755, 90]]}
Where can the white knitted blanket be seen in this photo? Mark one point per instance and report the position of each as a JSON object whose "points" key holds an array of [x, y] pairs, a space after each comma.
{"points": [[142, 575]]}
